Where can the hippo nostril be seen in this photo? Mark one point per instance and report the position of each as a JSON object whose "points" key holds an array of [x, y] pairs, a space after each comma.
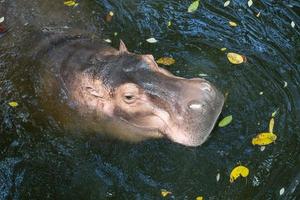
{"points": [[194, 105]]}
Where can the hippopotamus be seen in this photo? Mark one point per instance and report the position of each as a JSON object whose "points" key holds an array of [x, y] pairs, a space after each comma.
{"points": [[120, 93]]}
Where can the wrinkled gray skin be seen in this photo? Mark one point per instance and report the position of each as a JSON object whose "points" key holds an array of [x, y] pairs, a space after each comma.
{"points": [[120, 93]]}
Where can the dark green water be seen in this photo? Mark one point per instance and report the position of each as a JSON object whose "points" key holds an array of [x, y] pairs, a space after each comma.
{"points": [[39, 160]]}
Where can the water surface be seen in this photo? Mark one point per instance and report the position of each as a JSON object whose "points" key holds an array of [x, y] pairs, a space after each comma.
{"points": [[41, 160]]}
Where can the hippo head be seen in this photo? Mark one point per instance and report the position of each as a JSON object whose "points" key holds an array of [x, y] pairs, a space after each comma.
{"points": [[139, 95]]}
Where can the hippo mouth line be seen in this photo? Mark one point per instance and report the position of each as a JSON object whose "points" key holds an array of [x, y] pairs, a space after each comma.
{"points": [[144, 128], [162, 131]]}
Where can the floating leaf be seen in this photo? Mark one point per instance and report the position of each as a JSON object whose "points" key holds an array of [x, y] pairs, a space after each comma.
{"points": [[225, 121], [193, 7], [165, 192], [237, 172], [169, 23], [275, 112], [199, 198], [235, 58], [281, 191], [109, 16], [107, 40], [111, 13], [218, 177], [226, 3], [166, 61], [2, 29], [71, 3], [151, 40], [271, 125], [258, 14], [293, 24], [261, 93], [250, 2], [13, 104], [233, 24], [285, 84], [1, 19], [223, 49], [264, 139]]}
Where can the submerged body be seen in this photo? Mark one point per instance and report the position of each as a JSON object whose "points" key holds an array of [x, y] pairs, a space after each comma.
{"points": [[124, 94], [93, 87]]}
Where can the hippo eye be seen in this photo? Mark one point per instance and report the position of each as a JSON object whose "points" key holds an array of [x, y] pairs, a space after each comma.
{"points": [[129, 98]]}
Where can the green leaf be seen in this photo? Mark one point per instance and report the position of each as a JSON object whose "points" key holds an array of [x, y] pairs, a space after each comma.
{"points": [[194, 6], [225, 121]]}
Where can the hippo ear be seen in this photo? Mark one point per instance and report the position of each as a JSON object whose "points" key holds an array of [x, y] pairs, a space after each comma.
{"points": [[94, 92], [122, 47]]}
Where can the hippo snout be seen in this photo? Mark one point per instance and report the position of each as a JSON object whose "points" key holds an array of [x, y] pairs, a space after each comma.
{"points": [[201, 103]]}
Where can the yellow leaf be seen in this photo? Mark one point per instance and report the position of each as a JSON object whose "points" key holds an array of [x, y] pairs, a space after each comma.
{"points": [[234, 24], [166, 61], [13, 104], [271, 125], [237, 172], [169, 23], [165, 192], [264, 139], [199, 198], [235, 58], [70, 3], [223, 49]]}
